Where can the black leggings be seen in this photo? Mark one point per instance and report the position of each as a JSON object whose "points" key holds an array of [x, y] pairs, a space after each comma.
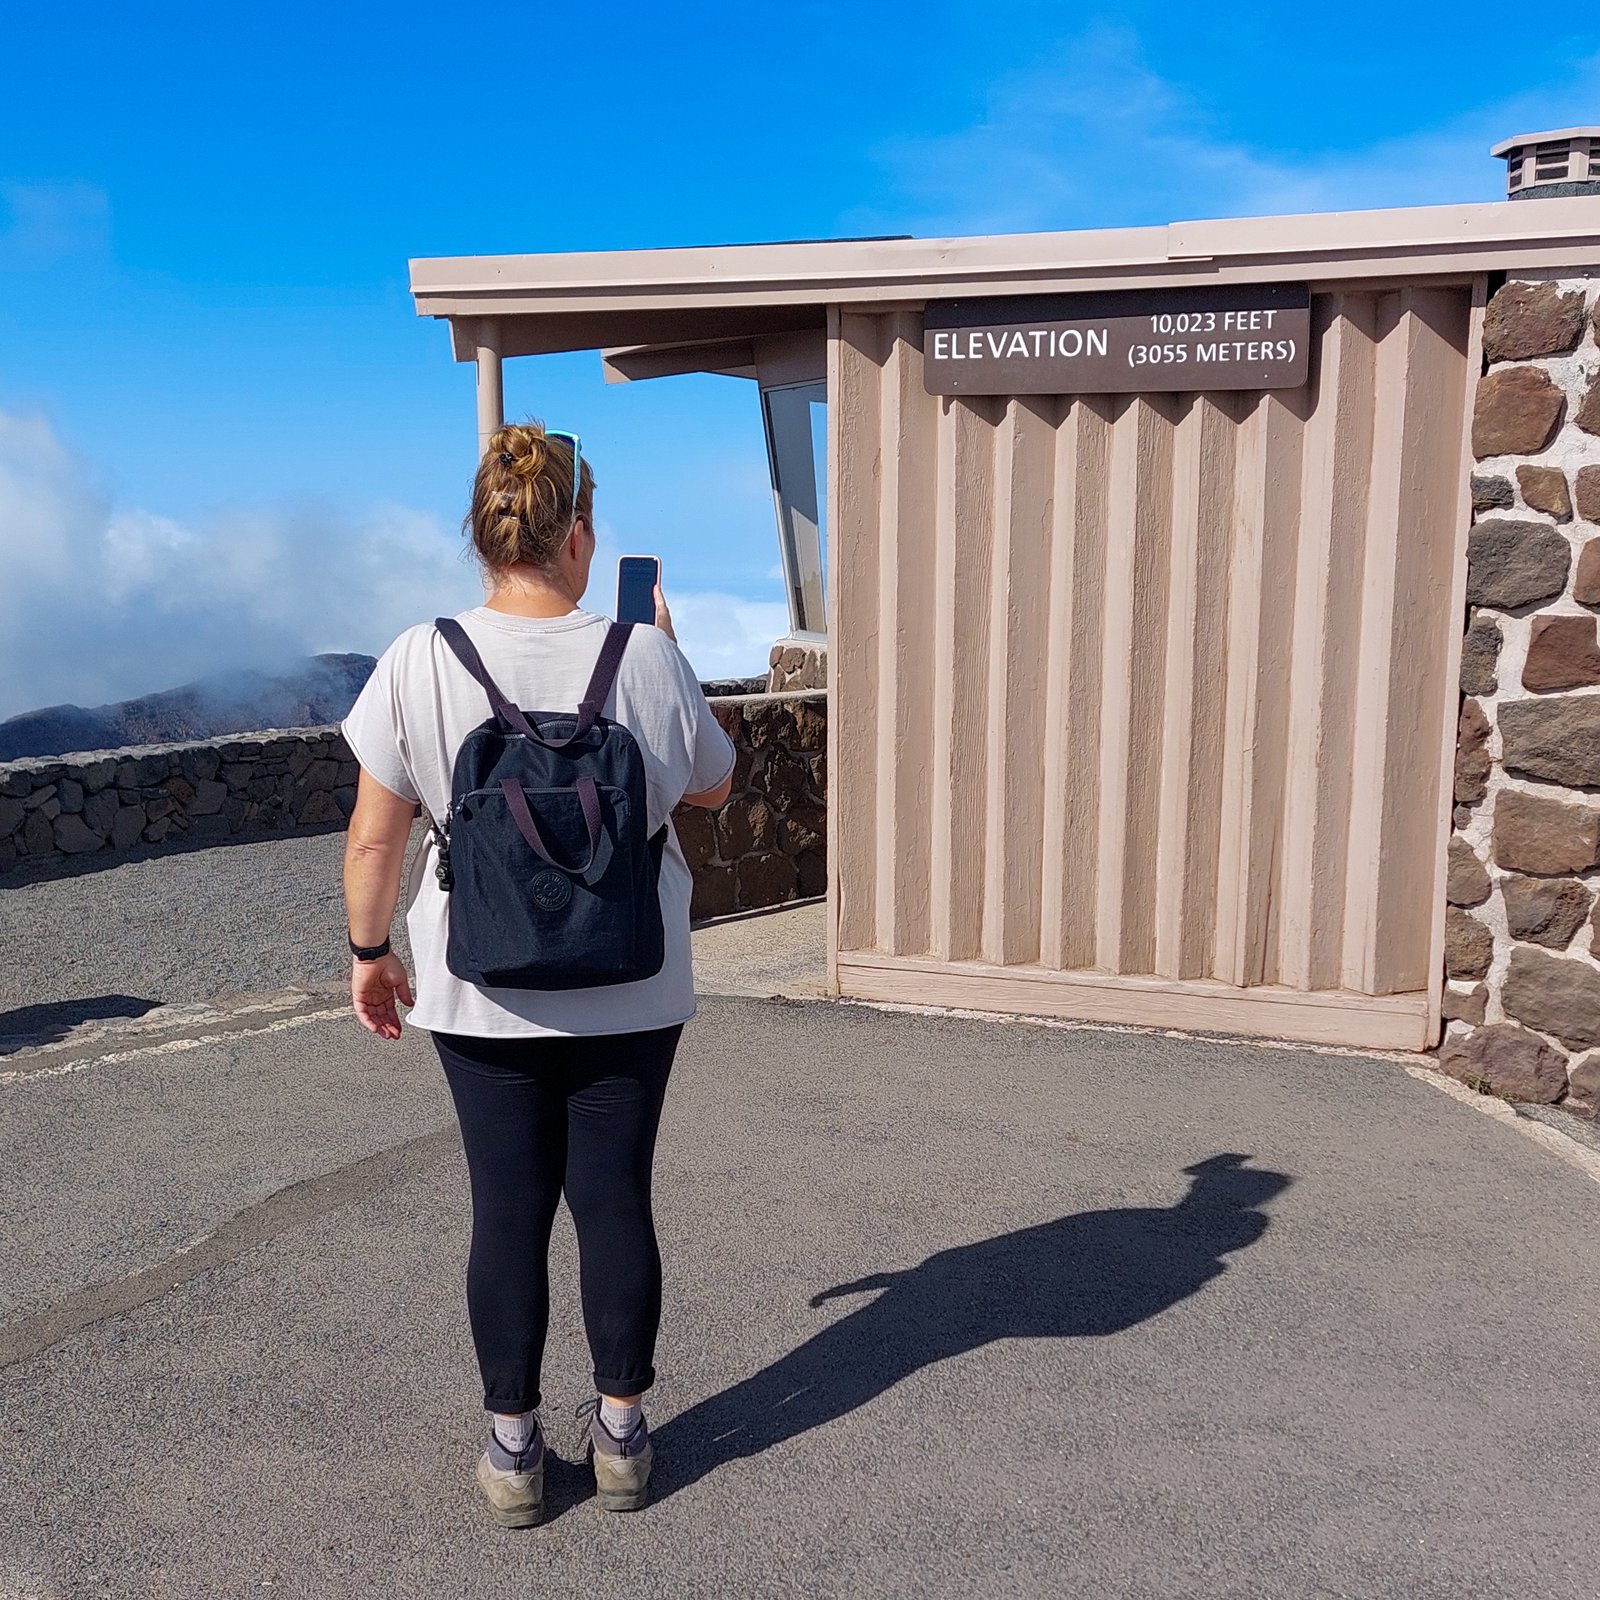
{"points": [[539, 1117]]}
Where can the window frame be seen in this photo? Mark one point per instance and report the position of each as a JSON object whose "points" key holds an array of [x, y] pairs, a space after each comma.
{"points": [[802, 521]]}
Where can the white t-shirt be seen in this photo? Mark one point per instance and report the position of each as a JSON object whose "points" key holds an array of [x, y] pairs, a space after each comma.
{"points": [[410, 720]]}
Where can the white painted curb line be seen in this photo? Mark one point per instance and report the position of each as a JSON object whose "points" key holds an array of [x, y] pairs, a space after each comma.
{"points": [[1556, 1142]]}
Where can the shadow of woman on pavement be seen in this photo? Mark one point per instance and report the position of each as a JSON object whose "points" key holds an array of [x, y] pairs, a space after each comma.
{"points": [[1080, 1276]]}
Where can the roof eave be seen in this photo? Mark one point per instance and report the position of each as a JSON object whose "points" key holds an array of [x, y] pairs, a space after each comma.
{"points": [[597, 292]]}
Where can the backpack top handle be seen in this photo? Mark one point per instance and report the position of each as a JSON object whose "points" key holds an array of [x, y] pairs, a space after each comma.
{"points": [[522, 814], [589, 708]]}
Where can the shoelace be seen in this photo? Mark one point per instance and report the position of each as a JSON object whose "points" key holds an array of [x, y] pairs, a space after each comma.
{"points": [[587, 1415]]}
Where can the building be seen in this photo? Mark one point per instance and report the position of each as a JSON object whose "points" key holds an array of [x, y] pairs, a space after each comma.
{"points": [[1146, 587]]}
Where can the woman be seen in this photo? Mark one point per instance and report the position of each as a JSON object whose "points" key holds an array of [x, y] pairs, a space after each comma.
{"points": [[556, 1091]]}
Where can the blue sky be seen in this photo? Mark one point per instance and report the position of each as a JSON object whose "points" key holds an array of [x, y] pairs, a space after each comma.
{"points": [[223, 432]]}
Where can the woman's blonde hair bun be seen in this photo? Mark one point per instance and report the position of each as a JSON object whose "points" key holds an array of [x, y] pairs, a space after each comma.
{"points": [[522, 502]]}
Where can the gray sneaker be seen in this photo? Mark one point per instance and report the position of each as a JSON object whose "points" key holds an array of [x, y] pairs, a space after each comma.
{"points": [[621, 1466], [513, 1481]]}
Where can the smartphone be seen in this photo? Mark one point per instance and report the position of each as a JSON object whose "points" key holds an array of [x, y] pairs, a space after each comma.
{"points": [[637, 577]]}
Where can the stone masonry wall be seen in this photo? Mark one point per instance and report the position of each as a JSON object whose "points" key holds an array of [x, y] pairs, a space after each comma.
{"points": [[768, 844], [116, 800], [797, 664], [764, 847], [1522, 997]]}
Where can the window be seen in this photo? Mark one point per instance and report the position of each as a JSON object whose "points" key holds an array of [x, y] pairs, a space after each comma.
{"points": [[796, 423]]}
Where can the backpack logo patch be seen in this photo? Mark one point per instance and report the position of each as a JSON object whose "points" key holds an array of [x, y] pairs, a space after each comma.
{"points": [[550, 890]]}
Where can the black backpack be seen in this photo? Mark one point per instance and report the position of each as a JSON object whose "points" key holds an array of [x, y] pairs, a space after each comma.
{"points": [[545, 850]]}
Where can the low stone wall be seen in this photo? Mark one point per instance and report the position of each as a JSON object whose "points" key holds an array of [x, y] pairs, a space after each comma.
{"points": [[116, 800], [764, 847], [1522, 1000], [768, 844], [797, 664]]}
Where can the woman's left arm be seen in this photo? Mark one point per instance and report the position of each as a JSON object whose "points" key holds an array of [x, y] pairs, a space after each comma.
{"points": [[374, 860]]}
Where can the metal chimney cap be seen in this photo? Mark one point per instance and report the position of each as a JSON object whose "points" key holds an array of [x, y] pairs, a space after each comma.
{"points": [[1560, 161]]}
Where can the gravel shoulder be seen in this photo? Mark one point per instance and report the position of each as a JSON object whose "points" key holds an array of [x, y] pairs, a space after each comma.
{"points": [[245, 919], [186, 925]]}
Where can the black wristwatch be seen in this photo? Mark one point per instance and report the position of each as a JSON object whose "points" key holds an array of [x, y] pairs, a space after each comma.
{"points": [[368, 952]]}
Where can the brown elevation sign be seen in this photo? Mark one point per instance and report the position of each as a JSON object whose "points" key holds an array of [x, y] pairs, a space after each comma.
{"points": [[1235, 336]]}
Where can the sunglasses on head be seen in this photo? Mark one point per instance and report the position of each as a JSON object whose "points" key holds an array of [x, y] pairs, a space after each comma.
{"points": [[577, 467]]}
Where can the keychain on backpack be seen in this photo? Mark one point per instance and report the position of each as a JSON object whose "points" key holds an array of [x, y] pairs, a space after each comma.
{"points": [[441, 838]]}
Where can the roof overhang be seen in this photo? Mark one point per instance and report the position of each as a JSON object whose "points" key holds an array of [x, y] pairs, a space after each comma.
{"points": [[719, 296], [1551, 136]]}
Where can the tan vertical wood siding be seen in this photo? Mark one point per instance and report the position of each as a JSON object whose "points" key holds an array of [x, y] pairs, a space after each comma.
{"points": [[1140, 699]]}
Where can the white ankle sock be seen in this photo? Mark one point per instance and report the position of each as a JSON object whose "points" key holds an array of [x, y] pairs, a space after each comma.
{"points": [[516, 1433], [620, 1421]]}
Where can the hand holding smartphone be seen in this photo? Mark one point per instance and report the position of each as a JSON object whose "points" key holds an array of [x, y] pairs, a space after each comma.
{"points": [[638, 582]]}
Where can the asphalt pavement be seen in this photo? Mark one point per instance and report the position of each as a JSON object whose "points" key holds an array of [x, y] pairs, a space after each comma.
{"points": [[954, 1307]]}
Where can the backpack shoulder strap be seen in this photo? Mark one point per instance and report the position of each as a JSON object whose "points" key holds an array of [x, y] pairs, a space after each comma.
{"points": [[466, 652], [604, 676], [595, 696]]}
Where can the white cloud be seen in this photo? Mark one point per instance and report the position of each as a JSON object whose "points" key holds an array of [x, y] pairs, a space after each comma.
{"points": [[100, 602], [1090, 136], [724, 636]]}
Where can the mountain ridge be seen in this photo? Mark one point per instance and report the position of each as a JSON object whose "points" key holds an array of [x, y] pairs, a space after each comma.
{"points": [[317, 691]]}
